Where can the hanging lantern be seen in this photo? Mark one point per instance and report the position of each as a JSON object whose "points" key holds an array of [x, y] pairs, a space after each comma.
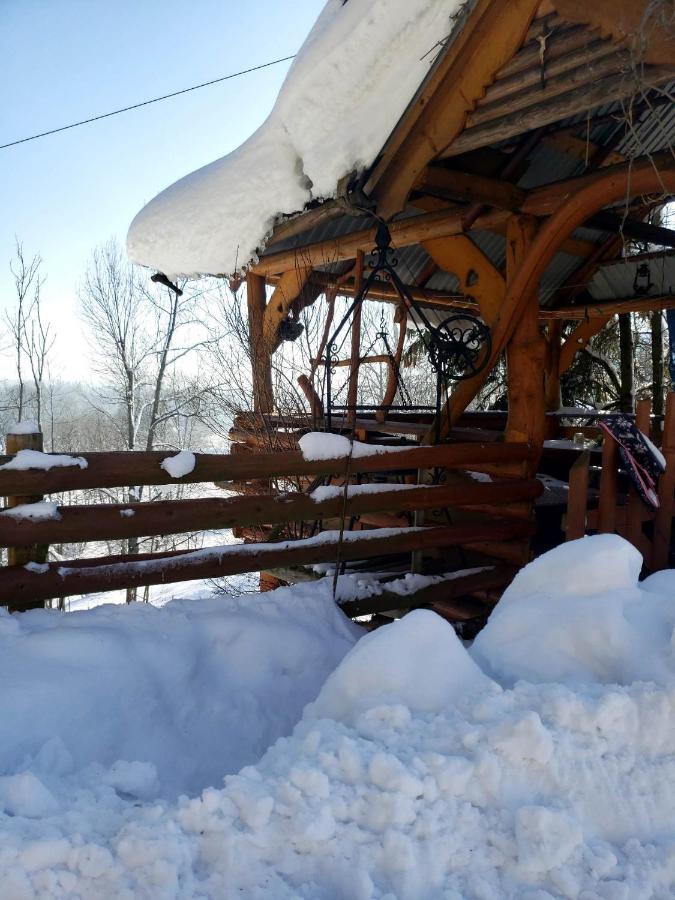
{"points": [[642, 283]]}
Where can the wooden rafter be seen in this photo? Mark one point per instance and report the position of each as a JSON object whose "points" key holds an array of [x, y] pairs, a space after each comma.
{"points": [[539, 114], [646, 27], [446, 221], [437, 115], [598, 308]]}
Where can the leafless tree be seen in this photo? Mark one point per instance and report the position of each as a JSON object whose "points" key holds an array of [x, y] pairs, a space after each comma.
{"points": [[140, 332], [31, 336]]}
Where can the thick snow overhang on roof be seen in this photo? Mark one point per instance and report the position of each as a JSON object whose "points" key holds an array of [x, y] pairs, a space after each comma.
{"points": [[351, 81]]}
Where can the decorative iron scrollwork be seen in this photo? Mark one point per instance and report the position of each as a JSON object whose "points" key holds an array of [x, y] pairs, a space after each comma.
{"points": [[459, 347]]}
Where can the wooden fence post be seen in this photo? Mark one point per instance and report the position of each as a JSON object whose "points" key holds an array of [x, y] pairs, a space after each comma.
{"points": [[577, 498], [37, 553], [663, 522]]}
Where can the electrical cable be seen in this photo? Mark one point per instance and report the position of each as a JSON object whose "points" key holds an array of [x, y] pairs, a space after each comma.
{"points": [[116, 112]]}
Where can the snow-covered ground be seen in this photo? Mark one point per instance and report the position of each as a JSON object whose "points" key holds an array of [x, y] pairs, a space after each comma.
{"points": [[538, 763]]}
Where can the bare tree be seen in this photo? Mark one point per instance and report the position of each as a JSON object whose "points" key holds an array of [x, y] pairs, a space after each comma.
{"points": [[20, 321], [136, 331]]}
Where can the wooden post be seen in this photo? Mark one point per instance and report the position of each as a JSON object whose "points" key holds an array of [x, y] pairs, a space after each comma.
{"points": [[261, 365], [575, 526], [663, 522], [37, 553], [608, 487], [634, 504], [552, 372], [355, 355], [526, 350]]}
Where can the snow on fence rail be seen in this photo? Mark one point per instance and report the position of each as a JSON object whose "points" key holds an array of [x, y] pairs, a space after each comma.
{"points": [[121, 469], [23, 586]]}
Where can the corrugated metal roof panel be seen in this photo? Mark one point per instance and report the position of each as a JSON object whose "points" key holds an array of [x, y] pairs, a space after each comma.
{"points": [[617, 279]]}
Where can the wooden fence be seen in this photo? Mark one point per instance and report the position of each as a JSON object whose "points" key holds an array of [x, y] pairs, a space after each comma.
{"points": [[25, 586], [619, 508]]}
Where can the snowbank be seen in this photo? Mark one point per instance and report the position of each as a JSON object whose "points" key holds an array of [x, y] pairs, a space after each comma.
{"points": [[412, 775], [192, 691], [578, 615], [349, 84]]}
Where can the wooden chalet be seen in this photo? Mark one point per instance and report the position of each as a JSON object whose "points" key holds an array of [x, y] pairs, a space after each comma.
{"points": [[537, 144]]}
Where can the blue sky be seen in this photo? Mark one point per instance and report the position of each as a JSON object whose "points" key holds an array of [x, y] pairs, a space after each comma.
{"points": [[65, 60]]}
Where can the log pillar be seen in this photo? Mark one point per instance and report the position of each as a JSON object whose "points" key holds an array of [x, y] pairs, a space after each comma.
{"points": [[37, 553], [355, 351], [552, 372], [261, 361], [525, 351]]}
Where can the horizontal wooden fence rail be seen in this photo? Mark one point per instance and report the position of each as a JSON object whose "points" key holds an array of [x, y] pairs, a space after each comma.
{"points": [[121, 469], [118, 521], [441, 596], [20, 585]]}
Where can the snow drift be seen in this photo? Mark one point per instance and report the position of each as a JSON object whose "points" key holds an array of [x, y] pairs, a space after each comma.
{"points": [[194, 690], [413, 774], [342, 97]]}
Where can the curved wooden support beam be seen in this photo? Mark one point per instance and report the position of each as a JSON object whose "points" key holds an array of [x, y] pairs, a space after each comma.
{"points": [[478, 277], [288, 290], [644, 179], [578, 340]]}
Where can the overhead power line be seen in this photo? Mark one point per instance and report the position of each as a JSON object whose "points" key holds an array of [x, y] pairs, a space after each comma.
{"points": [[116, 112]]}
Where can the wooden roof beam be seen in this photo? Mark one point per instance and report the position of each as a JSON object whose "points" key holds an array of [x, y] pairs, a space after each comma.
{"points": [[470, 188], [599, 308], [632, 228], [416, 229], [647, 27], [480, 45], [580, 100]]}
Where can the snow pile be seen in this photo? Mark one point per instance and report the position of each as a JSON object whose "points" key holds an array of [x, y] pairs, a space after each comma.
{"points": [[179, 465], [349, 84], [412, 775], [421, 665], [578, 615], [193, 690], [36, 459], [322, 445]]}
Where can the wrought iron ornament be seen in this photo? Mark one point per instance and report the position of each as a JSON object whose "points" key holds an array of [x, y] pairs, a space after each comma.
{"points": [[458, 348]]}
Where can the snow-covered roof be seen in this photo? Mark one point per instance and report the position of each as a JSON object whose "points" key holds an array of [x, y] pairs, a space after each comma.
{"points": [[349, 84]]}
